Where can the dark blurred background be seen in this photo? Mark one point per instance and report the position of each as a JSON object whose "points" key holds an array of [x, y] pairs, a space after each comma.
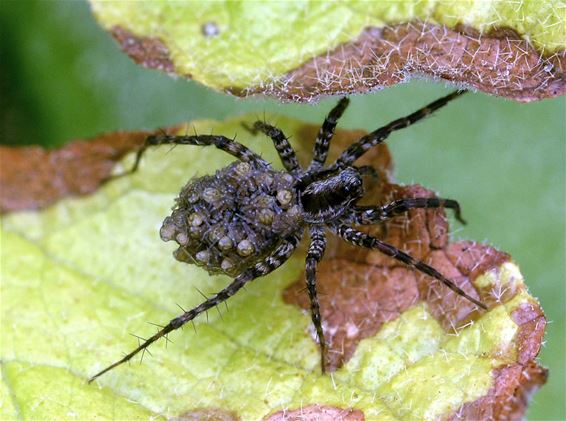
{"points": [[62, 78]]}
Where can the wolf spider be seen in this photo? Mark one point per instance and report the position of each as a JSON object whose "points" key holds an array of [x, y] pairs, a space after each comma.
{"points": [[248, 218]]}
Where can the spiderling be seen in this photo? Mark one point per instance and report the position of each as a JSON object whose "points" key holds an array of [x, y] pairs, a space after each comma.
{"points": [[247, 219]]}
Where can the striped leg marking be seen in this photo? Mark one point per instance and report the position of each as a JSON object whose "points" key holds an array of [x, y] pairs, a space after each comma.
{"points": [[367, 215], [279, 256], [223, 143], [376, 137], [284, 148], [322, 143], [314, 255], [361, 239]]}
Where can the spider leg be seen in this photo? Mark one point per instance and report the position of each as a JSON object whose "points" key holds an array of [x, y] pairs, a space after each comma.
{"points": [[134, 168], [361, 239], [367, 215], [368, 170], [376, 137], [314, 255], [282, 145], [272, 262], [223, 143], [322, 143]]}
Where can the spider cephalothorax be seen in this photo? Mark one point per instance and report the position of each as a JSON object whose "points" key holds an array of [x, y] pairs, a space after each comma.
{"points": [[247, 219]]}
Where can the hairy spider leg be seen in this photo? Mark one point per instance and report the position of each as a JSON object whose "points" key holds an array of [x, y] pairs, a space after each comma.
{"points": [[284, 148], [223, 143], [361, 239], [367, 215], [356, 150], [322, 143], [314, 255], [269, 264]]}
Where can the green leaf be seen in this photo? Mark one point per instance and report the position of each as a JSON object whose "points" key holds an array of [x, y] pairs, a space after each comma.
{"points": [[300, 50], [82, 274]]}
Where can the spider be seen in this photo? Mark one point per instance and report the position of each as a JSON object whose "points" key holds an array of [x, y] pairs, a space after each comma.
{"points": [[247, 219]]}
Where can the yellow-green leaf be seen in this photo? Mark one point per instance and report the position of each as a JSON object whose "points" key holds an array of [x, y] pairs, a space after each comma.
{"points": [[82, 274], [300, 50]]}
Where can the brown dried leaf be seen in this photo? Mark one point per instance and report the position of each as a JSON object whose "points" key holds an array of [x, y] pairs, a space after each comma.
{"points": [[499, 62], [361, 290], [317, 413], [301, 50], [33, 177]]}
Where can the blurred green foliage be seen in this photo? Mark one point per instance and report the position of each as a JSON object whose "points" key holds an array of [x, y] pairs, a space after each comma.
{"points": [[63, 78]]}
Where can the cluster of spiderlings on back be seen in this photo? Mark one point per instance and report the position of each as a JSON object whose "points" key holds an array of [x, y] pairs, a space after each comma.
{"points": [[226, 222]]}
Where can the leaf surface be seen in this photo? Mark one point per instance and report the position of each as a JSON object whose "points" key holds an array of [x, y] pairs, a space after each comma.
{"points": [[80, 275], [301, 50]]}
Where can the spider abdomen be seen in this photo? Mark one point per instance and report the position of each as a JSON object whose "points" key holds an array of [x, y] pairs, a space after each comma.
{"points": [[228, 221]]}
